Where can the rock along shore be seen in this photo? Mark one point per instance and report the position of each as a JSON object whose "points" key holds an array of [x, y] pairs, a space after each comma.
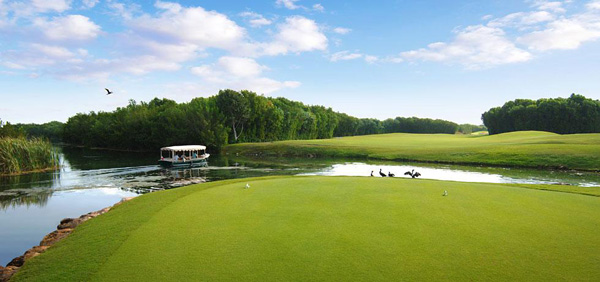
{"points": [[63, 230]]}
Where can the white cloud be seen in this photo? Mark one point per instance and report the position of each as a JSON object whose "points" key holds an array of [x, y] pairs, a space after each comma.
{"points": [[255, 19], [169, 6], [71, 27], [104, 68], [228, 67], [173, 52], [266, 85], [192, 25], [344, 56], [122, 10], [487, 17], [565, 34], [522, 19], [297, 34], [554, 6], [259, 22], [27, 9], [56, 52], [13, 65], [342, 30], [241, 67], [318, 7], [240, 73], [289, 4], [90, 3], [371, 59], [51, 5], [162, 40], [474, 47], [593, 5], [36, 55]]}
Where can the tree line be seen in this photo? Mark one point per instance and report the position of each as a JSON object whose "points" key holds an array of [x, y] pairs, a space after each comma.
{"points": [[576, 114], [9, 130], [228, 117]]}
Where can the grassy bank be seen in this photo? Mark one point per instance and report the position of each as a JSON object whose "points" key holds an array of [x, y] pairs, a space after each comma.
{"points": [[20, 155], [525, 148], [334, 228]]}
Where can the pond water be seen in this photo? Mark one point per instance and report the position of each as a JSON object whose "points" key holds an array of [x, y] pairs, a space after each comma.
{"points": [[32, 205]]}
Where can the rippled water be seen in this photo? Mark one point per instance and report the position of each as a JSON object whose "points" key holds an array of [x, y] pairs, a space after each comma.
{"points": [[32, 205]]}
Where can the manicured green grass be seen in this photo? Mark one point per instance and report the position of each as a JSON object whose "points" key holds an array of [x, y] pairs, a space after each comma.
{"points": [[334, 229], [525, 148], [20, 155]]}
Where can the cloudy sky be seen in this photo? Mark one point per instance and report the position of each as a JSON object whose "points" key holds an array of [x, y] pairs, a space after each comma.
{"points": [[438, 59]]}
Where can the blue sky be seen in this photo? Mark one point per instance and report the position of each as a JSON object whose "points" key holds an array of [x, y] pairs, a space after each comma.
{"points": [[438, 59]]}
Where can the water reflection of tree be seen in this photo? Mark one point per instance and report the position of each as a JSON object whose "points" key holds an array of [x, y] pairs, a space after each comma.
{"points": [[16, 198], [187, 173], [27, 189], [86, 159], [31, 180]]}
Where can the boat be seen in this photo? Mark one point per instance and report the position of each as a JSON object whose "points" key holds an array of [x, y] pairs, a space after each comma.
{"points": [[183, 156]]}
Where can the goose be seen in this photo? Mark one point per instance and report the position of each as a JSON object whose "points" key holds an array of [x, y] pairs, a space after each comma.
{"points": [[391, 174], [247, 186], [371, 173], [108, 92], [381, 173]]}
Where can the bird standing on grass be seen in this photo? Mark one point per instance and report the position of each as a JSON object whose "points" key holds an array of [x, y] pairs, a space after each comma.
{"points": [[445, 193], [371, 173], [381, 173], [391, 174], [108, 92], [247, 186]]}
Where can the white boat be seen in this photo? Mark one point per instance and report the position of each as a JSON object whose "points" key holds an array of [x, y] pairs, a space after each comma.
{"points": [[183, 156]]}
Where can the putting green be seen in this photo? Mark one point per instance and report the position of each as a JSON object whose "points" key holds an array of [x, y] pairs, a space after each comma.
{"points": [[334, 228]]}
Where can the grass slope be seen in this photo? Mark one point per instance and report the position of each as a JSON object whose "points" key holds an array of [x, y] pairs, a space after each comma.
{"points": [[524, 148], [333, 228]]}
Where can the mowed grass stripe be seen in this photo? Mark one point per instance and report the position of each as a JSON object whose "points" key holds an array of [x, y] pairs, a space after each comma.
{"points": [[343, 228], [90, 245], [525, 148]]}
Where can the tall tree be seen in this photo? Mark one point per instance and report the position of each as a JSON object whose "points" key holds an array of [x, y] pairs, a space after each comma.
{"points": [[236, 110]]}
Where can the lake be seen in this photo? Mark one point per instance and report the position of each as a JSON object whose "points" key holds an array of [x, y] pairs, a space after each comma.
{"points": [[32, 205]]}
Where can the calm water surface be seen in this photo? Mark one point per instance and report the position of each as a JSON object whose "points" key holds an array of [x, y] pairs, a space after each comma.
{"points": [[32, 205]]}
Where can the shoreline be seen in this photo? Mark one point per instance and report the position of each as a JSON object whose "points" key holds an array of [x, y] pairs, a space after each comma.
{"points": [[359, 157], [63, 230], [525, 149], [31, 171]]}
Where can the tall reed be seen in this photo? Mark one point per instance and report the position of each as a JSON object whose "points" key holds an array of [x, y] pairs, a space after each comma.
{"points": [[20, 155]]}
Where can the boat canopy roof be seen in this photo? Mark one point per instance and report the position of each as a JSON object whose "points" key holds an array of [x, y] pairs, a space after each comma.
{"points": [[184, 148]]}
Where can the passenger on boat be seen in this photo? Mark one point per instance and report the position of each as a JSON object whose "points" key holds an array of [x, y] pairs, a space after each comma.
{"points": [[195, 155], [176, 157]]}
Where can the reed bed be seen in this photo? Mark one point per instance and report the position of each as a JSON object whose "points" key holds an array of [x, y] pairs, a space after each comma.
{"points": [[20, 155]]}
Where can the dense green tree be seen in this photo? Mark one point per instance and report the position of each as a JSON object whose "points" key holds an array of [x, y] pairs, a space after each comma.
{"points": [[576, 114], [470, 128], [228, 117], [9, 130], [52, 131]]}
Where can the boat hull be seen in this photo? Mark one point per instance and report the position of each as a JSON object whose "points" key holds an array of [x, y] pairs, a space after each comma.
{"points": [[182, 164]]}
